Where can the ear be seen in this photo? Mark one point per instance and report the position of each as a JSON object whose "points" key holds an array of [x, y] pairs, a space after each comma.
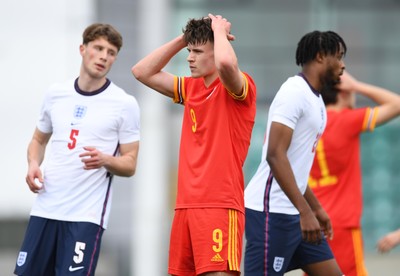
{"points": [[320, 57], [82, 49]]}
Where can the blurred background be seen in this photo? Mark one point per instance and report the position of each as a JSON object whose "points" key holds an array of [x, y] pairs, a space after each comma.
{"points": [[39, 45]]}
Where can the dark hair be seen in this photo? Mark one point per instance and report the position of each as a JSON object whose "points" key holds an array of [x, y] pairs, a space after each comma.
{"points": [[107, 31], [198, 31], [315, 42]]}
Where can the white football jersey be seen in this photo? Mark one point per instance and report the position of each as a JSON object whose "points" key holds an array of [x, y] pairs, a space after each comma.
{"points": [[102, 119], [297, 106]]}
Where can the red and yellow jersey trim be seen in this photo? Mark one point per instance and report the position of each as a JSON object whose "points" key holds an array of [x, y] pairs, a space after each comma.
{"points": [[244, 90], [179, 90]]}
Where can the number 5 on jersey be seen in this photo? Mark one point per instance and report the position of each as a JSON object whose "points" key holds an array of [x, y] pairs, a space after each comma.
{"points": [[72, 137]]}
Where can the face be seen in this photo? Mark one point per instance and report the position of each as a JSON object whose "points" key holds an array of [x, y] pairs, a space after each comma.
{"points": [[334, 68], [348, 99], [97, 57], [201, 60]]}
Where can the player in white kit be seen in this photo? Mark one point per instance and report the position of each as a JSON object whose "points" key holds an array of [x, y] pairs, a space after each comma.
{"points": [[94, 128], [284, 220]]}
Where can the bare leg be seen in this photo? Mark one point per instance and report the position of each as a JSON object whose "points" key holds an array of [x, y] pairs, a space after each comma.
{"points": [[220, 273], [325, 268]]}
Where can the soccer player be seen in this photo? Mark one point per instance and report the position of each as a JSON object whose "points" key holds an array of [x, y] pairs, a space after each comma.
{"points": [[94, 129], [335, 176], [219, 112], [389, 241], [286, 227]]}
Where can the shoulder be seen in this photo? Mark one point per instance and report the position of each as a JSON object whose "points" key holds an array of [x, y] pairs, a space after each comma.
{"points": [[65, 85], [123, 97], [292, 89]]}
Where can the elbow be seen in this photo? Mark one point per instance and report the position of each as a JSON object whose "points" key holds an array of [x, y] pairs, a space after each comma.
{"points": [[271, 159], [226, 66], [130, 171], [136, 72]]}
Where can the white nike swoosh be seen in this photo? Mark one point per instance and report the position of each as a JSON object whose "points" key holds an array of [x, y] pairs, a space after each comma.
{"points": [[75, 268]]}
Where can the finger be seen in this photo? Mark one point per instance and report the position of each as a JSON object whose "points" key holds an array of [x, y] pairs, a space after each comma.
{"points": [[231, 37], [304, 235]]}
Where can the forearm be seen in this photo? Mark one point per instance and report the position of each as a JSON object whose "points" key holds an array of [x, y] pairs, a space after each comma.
{"points": [[158, 59], [121, 165], [35, 153], [224, 54], [377, 94], [312, 200], [226, 61], [125, 163], [283, 174]]}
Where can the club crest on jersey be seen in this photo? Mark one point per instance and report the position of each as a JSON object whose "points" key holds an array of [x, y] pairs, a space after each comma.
{"points": [[278, 263], [80, 111], [21, 258]]}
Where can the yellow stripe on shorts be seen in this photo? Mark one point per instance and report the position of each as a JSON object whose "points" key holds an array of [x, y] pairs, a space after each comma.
{"points": [[232, 241]]}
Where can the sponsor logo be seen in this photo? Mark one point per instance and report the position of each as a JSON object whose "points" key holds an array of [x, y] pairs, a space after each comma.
{"points": [[278, 263], [21, 258], [72, 269], [217, 258]]}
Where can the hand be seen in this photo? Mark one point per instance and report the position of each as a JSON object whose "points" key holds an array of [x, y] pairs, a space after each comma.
{"points": [[389, 241], [325, 223], [92, 158], [310, 228], [217, 21], [347, 83], [34, 179]]}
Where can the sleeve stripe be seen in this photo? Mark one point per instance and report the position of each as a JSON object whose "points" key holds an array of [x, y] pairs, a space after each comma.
{"points": [[179, 90], [244, 91], [370, 119]]}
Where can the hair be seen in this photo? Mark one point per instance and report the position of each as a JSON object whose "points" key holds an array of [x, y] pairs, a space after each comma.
{"points": [[198, 31], [107, 31], [327, 43]]}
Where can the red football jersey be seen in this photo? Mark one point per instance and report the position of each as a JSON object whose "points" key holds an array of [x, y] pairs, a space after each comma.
{"points": [[335, 176], [215, 138]]}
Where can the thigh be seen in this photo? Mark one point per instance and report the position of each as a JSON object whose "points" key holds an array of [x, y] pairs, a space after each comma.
{"points": [[283, 239], [347, 246], [181, 260], [79, 248], [255, 251], [315, 259], [217, 237], [37, 253], [205, 240], [271, 240]]}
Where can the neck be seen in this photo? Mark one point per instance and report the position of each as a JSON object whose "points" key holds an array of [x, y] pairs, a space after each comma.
{"points": [[208, 80], [312, 77], [89, 84]]}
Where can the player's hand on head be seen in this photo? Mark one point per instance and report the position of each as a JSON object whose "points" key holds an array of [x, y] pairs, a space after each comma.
{"points": [[347, 83], [217, 21]]}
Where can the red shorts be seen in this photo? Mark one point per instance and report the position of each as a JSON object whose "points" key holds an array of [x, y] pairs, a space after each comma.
{"points": [[205, 240], [347, 247]]}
